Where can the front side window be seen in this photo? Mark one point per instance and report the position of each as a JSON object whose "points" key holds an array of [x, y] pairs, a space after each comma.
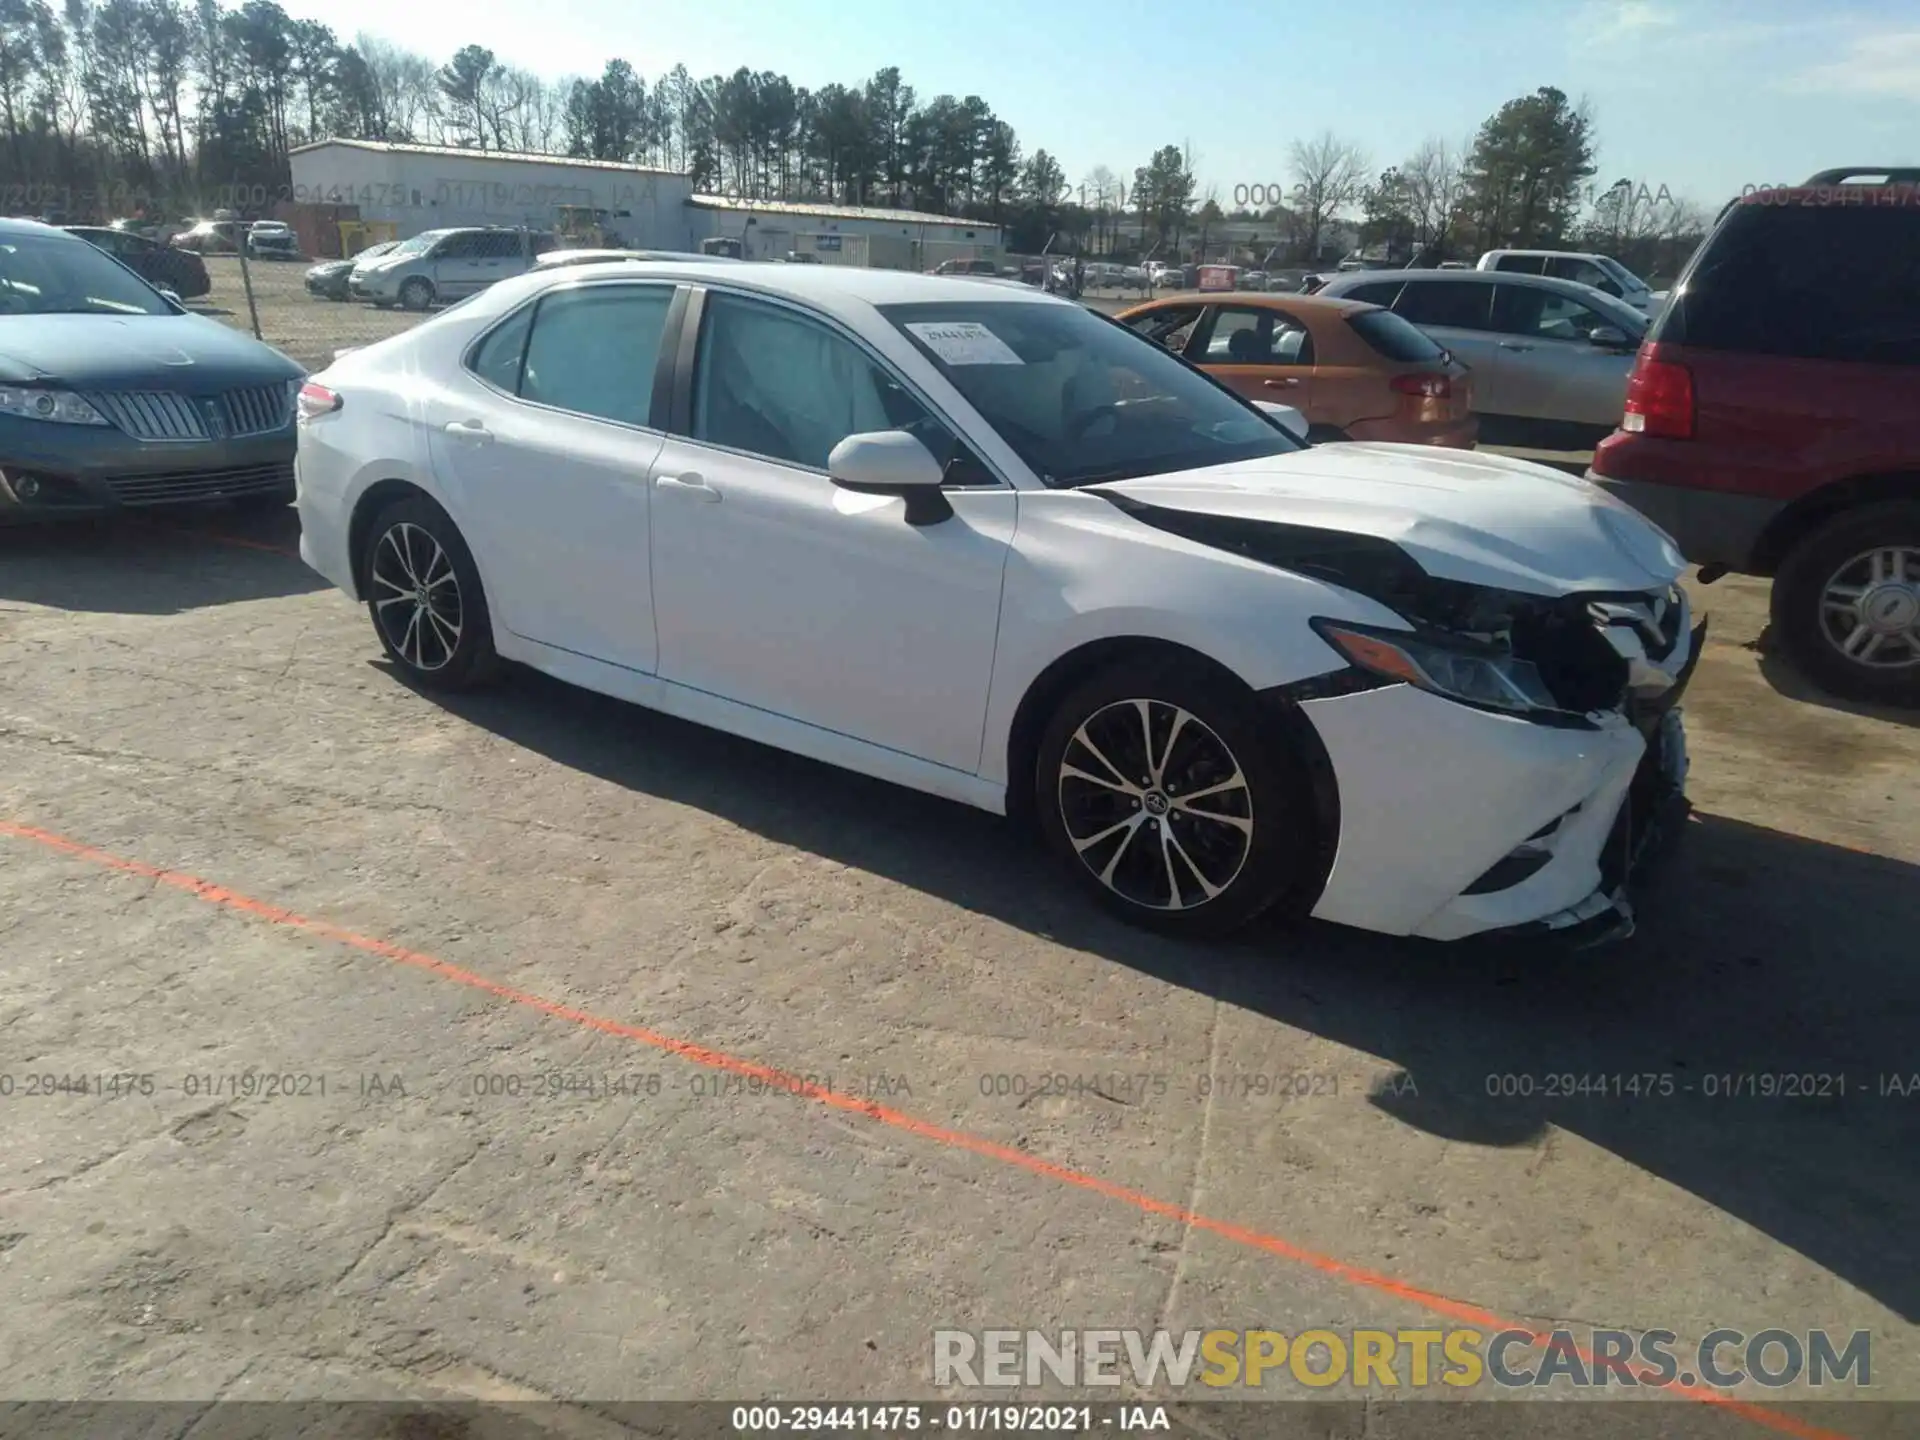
{"points": [[593, 350], [457, 247], [1453, 304], [1247, 336], [1080, 398], [1543, 315], [781, 386]]}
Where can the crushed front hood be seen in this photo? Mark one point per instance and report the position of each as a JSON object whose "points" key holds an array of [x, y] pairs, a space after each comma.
{"points": [[1468, 516]]}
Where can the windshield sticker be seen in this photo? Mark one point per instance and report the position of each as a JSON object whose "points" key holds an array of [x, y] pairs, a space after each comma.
{"points": [[964, 342]]}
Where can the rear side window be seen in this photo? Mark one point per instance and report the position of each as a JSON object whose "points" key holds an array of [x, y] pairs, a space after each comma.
{"points": [[1520, 264], [497, 358], [1808, 282], [1456, 304], [1381, 293], [594, 350], [1388, 334]]}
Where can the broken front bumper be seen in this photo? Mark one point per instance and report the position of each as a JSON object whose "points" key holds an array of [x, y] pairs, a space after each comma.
{"points": [[1457, 822]]}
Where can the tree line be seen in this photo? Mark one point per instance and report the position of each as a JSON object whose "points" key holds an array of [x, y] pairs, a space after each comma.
{"points": [[173, 99]]}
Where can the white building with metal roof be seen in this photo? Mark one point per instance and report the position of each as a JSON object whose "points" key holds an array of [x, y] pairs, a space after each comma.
{"points": [[842, 234], [432, 187]]}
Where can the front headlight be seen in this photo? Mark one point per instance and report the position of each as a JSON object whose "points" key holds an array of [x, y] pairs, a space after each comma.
{"points": [[61, 407], [1459, 670]]}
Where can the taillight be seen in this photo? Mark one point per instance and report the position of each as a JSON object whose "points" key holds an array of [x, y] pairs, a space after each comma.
{"points": [[1427, 387], [316, 400], [1659, 400]]}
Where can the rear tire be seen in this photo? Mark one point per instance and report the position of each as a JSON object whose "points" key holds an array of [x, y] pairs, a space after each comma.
{"points": [[425, 598], [1846, 604], [1224, 828]]}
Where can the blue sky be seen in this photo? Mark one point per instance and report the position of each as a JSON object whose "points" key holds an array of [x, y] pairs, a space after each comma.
{"points": [[1699, 96]]}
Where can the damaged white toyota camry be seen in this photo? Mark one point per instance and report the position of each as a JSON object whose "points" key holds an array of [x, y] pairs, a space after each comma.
{"points": [[989, 544]]}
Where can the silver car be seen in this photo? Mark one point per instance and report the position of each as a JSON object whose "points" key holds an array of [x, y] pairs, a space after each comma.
{"points": [[441, 265], [1550, 358]]}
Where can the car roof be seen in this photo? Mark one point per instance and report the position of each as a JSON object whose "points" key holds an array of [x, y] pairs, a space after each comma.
{"points": [[1576, 254], [1570, 289], [32, 227], [1330, 305], [842, 289]]}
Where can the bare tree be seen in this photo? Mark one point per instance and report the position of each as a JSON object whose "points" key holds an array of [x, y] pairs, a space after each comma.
{"points": [[1103, 193], [1329, 173], [1431, 176]]}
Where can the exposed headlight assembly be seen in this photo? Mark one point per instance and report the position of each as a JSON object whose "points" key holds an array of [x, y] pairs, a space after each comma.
{"points": [[1458, 669], [60, 407]]}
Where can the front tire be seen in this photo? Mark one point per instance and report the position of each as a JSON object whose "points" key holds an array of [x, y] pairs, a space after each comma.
{"points": [[1846, 605], [425, 599], [1160, 788], [416, 294]]}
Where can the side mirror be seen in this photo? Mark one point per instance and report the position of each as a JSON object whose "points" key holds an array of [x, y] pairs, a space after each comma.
{"points": [[1286, 417], [892, 462], [1610, 337]]}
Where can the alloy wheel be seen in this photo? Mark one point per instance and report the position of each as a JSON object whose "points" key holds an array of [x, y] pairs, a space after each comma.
{"points": [[416, 597], [1155, 804], [1870, 608]]}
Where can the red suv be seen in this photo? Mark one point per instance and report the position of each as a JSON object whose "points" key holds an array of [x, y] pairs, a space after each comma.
{"points": [[1772, 421]]}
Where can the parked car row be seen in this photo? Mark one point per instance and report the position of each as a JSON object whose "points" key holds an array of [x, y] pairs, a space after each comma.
{"points": [[1550, 358]]}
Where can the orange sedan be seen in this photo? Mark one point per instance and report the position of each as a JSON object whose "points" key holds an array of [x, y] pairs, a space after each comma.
{"points": [[1356, 371]]}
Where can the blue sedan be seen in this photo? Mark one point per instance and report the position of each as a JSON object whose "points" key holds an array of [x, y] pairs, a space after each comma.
{"points": [[113, 396]]}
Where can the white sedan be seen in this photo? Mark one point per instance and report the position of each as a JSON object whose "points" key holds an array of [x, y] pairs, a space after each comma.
{"points": [[992, 545]]}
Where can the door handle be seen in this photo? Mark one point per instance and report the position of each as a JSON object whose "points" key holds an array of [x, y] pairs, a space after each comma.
{"points": [[1509, 345], [1286, 384], [693, 486], [470, 430]]}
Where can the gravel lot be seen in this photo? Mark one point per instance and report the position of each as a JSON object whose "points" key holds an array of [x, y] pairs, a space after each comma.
{"points": [[234, 842]]}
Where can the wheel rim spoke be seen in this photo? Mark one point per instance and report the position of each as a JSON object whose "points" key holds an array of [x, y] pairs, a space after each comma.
{"points": [[1118, 786], [1180, 718], [1150, 843], [1170, 844], [1094, 750], [418, 572], [1869, 609]]}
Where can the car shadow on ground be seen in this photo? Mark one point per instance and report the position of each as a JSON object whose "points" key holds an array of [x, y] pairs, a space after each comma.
{"points": [[1759, 955], [1786, 679], [159, 564]]}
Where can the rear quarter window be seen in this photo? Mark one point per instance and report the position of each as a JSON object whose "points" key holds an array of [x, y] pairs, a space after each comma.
{"points": [[1388, 335], [1813, 282]]}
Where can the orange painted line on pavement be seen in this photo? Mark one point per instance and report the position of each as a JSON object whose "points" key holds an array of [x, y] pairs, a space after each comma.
{"points": [[238, 541], [1354, 1275]]}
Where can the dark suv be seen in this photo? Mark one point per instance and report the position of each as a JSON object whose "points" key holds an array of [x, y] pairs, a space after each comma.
{"points": [[1772, 421]]}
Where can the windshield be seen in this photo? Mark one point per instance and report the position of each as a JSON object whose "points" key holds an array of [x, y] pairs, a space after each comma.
{"points": [[42, 275], [1082, 399]]}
